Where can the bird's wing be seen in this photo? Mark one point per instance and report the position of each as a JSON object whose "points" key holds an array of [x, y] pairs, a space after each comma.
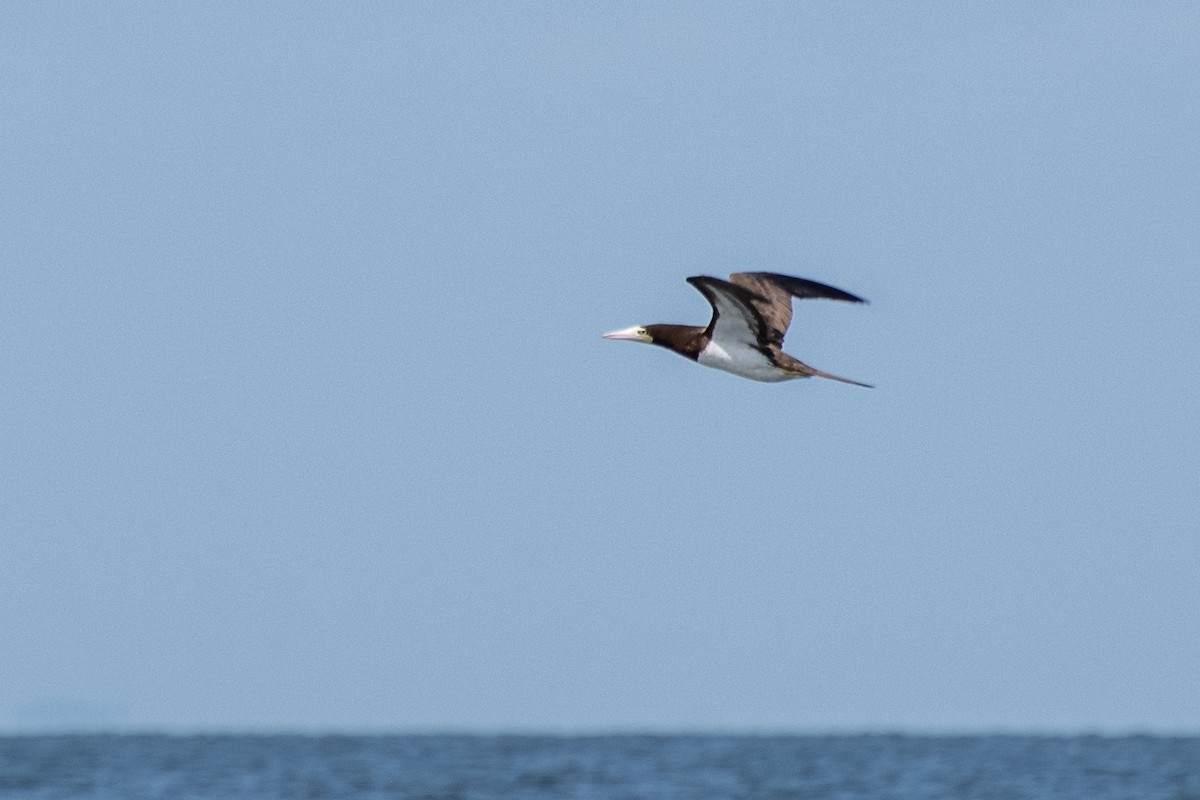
{"points": [[773, 295], [736, 320]]}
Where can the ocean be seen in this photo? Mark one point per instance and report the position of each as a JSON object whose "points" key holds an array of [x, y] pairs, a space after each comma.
{"points": [[626, 767]]}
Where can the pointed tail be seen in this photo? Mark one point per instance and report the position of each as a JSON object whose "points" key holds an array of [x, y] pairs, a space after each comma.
{"points": [[833, 377]]}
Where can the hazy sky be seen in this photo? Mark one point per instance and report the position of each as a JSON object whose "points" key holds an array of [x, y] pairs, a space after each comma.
{"points": [[307, 423]]}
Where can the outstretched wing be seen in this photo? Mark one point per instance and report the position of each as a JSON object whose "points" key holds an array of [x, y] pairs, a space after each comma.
{"points": [[771, 296], [736, 322]]}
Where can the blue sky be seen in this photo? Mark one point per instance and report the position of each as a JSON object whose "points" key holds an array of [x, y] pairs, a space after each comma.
{"points": [[308, 424]]}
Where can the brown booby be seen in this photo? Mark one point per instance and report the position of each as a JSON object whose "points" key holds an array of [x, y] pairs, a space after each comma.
{"points": [[750, 315]]}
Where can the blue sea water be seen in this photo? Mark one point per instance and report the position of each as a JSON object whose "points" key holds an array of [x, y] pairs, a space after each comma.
{"points": [[133, 767]]}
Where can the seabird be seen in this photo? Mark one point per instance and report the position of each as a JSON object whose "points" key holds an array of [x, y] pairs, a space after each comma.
{"points": [[750, 315]]}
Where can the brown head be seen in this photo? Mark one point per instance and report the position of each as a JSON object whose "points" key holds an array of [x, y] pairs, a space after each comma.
{"points": [[687, 340]]}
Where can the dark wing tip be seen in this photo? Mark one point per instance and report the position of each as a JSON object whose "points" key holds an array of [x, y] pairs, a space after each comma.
{"points": [[802, 287]]}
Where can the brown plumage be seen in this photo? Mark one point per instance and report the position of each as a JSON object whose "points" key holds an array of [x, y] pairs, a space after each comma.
{"points": [[751, 315]]}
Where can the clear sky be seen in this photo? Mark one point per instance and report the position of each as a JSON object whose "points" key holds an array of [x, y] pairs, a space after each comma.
{"points": [[307, 423]]}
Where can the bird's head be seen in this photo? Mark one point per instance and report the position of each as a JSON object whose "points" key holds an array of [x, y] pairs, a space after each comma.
{"points": [[638, 333]]}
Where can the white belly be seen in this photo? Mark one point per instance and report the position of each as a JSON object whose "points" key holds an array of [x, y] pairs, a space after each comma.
{"points": [[744, 361]]}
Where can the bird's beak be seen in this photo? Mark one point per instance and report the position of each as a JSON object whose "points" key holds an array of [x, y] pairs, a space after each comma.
{"points": [[634, 334]]}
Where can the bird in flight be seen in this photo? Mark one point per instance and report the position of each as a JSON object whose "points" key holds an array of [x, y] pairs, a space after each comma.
{"points": [[750, 315]]}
